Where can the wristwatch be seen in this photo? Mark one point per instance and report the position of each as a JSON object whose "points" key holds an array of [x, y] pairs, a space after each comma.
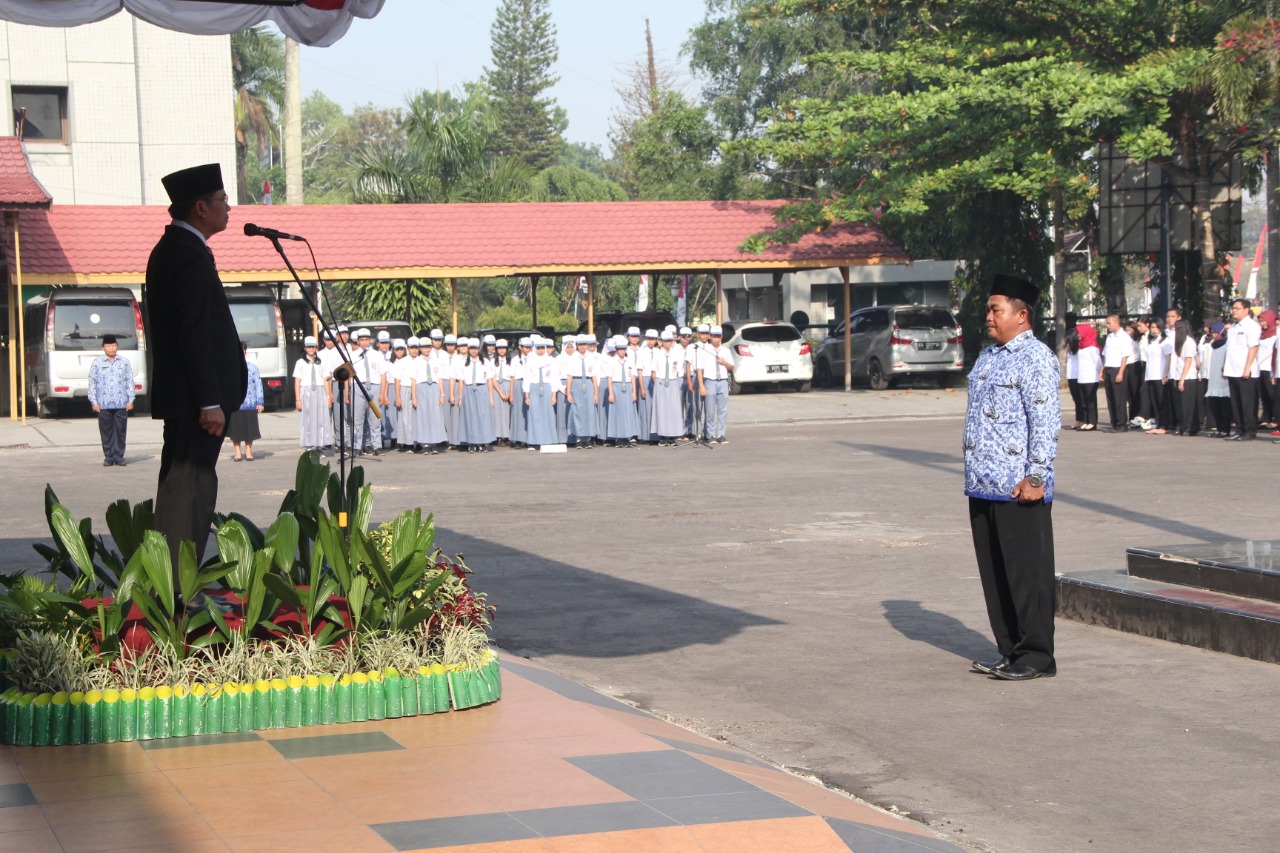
{"points": [[1035, 481]]}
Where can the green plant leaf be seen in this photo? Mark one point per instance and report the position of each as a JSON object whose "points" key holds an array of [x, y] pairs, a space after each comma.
{"points": [[333, 545], [187, 570], [236, 547], [220, 623], [283, 590], [69, 538], [157, 567], [121, 521], [283, 537]]}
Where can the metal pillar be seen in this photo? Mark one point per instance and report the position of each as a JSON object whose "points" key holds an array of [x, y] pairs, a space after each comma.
{"points": [[848, 348]]}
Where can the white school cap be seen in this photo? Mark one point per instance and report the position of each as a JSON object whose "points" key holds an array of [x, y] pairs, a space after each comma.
{"points": [[502, 343], [703, 327], [309, 341], [526, 342], [363, 333], [686, 331], [450, 339], [384, 335], [651, 333], [398, 343], [634, 330], [666, 335], [716, 330], [414, 341], [489, 339], [436, 334]]}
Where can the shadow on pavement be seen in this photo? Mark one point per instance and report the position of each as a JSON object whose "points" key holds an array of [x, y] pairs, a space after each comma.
{"points": [[547, 607], [939, 630]]}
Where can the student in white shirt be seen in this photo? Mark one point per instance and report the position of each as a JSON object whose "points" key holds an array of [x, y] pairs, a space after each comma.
{"points": [[715, 366], [400, 408], [311, 391], [1185, 379], [1266, 363], [1241, 369], [541, 387], [503, 382], [1117, 352], [1156, 352], [668, 381], [519, 409], [370, 369], [581, 394], [1073, 373], [476, 382], [619, 373]]}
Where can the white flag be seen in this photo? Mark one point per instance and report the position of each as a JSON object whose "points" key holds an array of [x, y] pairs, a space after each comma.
{"points": [[642, 298]]}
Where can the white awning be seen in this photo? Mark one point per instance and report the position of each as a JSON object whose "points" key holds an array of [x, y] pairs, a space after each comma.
{"points": [[319, 23]]}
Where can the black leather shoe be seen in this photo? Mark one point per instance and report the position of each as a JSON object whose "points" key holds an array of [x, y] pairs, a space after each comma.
{"points": [[1018, 672], [987, 667]]}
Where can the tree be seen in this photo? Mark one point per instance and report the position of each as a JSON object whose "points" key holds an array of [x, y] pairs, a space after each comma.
{"points": [[668, 155], [570, 183], [1003, 96], [423, 303], [446, 153], [257, 77], [332, 140], [523, 44]]}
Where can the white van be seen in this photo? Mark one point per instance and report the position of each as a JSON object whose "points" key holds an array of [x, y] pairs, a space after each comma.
{"points": [[64, 330], [256, 313]]}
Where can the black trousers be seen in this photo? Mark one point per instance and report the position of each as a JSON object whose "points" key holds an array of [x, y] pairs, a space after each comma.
{"points": [[1266, 396], [188, 488], [1135, 373], [1117, 396], [1088, 393], [1073, 388], [1244, 403], [112, 426], [1014, 546], [1189, 402], [1153, 394]]}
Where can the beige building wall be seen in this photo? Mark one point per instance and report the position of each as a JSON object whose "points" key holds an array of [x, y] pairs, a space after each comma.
{"points": [[141, 102]]}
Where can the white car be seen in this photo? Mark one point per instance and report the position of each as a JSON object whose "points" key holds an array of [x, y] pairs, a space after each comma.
{"points": [[771, 353]]}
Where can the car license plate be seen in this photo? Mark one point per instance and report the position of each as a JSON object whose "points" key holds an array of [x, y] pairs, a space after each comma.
{"points": [[930, 345], [778, 368]]}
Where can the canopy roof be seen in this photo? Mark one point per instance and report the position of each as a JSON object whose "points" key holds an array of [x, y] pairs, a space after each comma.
{"points": [[19, 189], [91, 244], [313, 22]]}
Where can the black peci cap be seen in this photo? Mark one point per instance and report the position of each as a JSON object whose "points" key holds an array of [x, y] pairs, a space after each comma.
{"points": [[1013, 287], [109, 339], [193, 183]]}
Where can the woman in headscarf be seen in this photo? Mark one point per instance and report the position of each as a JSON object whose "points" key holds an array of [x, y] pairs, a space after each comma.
{"points": [[1218, 395], [1089, 373], [1266, 355]]}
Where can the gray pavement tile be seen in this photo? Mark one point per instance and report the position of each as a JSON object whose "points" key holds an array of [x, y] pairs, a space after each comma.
{"points": [[649, 775], [874, 839], [711, 751], [453, 831], [566, 688], [16, 794], [602, 817], [727, 808], [324, 745]]}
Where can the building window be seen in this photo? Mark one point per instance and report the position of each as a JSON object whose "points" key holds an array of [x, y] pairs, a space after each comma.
{"points": [[46, 113]]}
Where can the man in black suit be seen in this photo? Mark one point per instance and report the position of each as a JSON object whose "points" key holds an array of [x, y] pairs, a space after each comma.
{"points": [[198, 374]]}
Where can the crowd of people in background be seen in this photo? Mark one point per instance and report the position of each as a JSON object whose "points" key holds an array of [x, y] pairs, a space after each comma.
{"points": [[1166, 378], [473, 394]]}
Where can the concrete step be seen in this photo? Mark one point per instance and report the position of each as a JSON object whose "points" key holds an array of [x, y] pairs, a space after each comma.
{"points": [[1242, 567], [1234, 624]]}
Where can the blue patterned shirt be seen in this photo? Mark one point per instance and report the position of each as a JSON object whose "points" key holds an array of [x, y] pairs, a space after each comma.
{"points": [[253, 393], [111, 382], [1014, 416]]}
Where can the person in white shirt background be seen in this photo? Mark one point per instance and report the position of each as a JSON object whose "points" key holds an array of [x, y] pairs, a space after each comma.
{"points": [[1117, 352], [1241, 370], [541, 387], [370, 370], [1266, 374], [503, 382], [581, 395], [1089, 363], [715, 366], [312, 398]]}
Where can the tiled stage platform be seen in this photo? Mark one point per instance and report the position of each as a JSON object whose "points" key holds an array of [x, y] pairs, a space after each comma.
{"points": [[552, 768]]}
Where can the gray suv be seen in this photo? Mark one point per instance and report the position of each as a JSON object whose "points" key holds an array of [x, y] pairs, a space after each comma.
{"points": [[892, 341]]}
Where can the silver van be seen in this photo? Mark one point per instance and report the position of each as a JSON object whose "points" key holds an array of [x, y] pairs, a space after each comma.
{"points": [[888, 342], [256, 313], [63, 335]]}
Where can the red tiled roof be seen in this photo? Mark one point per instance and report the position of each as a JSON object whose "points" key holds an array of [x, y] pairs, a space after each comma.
{"points": [[19, 189], [104, 244]]}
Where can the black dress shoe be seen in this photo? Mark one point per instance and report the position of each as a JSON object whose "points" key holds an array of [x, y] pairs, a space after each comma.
{"points": [[1018, 672], [988, 666]]}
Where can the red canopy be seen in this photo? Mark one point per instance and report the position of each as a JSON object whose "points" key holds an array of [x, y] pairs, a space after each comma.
{"points": [[312, 22]]}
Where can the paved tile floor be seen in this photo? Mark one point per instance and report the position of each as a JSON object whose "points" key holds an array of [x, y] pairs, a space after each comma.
{"points": [[552, 768]]}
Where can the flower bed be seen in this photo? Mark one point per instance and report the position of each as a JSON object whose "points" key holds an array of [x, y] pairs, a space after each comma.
{"points": [[58, 719], [312, 621]]}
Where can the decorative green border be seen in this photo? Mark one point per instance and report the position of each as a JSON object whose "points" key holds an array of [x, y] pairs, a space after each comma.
{"points": [[61, 719]]}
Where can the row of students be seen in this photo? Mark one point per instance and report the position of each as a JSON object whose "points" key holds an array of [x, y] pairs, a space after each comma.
{"points": [[471, 394], [1163, 378]]}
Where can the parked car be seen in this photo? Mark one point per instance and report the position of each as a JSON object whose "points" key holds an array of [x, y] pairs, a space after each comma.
{"points": [[769, 353], [63, 331], [888, 342], [617, 322], [260, 324]]}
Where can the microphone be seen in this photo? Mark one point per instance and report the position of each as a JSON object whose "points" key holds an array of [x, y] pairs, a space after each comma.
{"points": [[251, 230]]}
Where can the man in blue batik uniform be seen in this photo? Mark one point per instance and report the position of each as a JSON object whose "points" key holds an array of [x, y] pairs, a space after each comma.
{"points": [[111, 394], [1010, 441]]}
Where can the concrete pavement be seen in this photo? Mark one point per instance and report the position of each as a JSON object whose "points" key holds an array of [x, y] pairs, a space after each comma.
{"points": [[808, 593]]}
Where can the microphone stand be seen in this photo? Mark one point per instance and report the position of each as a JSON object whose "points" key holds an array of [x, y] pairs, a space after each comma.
{"points": [[342, 374]]}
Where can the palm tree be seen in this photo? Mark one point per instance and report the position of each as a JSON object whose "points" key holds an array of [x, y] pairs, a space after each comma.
{"points": [[447, 156], [257, 75]]}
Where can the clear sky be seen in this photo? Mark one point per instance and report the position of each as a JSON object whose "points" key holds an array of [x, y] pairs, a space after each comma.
{"points": [[403, 49]]}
